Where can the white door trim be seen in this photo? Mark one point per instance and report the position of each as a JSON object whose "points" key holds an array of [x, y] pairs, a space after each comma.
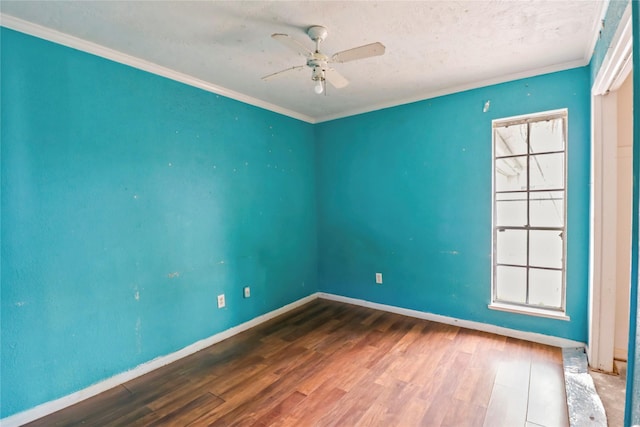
{"points": [[602, 248], [602, 297]]}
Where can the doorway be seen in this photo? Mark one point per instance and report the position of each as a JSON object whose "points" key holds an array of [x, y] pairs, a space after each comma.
{"points": [[611, 204]]}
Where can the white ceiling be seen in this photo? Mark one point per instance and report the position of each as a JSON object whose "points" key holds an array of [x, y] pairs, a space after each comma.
{"points": [[432, 47]]}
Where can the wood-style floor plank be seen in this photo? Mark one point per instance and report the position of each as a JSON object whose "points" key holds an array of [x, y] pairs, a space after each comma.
{"points": [[508, 407], [546, 382], [334, 364]]}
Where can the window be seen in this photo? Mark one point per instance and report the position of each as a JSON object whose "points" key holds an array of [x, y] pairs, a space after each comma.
{"points": [[529, 211]]}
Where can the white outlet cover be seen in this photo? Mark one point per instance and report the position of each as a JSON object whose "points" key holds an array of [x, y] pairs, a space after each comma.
{"points": [[379, 278], [221, 302], [247, 291]]}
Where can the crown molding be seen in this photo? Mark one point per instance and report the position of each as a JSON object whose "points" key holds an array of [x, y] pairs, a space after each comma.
{"points": [[45, 33], [73, 42], [595, 30], [457, 89]]}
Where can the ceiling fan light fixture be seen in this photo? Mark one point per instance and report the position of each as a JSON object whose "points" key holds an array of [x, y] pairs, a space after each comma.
{"points": [[319, 62], [318, 77]]}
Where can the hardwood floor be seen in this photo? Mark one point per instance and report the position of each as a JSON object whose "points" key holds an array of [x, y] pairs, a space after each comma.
{"points": [[330, 363]]}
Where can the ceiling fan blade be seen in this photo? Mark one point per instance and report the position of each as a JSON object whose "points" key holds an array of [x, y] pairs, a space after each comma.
{"points": [[292, 43], [366, 51], [336, 79], [281, 72]]}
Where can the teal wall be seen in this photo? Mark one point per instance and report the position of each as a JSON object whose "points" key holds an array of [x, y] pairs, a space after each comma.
{"points": [[129, 202], [632, 409], [406, 191]]}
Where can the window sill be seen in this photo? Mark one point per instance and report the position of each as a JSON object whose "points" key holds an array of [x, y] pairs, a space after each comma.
{"points": [[530, 311]]}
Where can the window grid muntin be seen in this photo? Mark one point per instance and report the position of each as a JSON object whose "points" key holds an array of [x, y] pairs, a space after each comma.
{"points": [[528, 121]]}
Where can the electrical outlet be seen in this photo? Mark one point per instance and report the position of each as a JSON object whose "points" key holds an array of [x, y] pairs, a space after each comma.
{"points": [[247, 292], [379, 278], [221, 303]]}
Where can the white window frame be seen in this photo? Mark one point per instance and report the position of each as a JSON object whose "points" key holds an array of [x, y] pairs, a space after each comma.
{"points": [[514, 307]]}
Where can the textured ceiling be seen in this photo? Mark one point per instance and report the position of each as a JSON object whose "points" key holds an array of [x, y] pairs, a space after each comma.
{"points": [[432, 47]]}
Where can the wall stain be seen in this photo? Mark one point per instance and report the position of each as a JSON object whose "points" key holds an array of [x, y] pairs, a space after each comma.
{"points": [[138, 336], [450, 252], [173, 275]]}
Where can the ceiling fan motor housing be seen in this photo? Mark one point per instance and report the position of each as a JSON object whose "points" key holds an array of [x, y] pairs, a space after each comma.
{"points": [[318, 62], [317, 33], [318, 73]]}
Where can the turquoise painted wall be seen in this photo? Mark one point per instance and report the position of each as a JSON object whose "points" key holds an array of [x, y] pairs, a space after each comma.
{"points": [[129, 202], [406, 191], [632, 409]]}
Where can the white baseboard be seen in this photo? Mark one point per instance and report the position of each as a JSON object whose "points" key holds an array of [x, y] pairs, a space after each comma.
{"points": [[95, 389], [469, 324], [620, 353]]}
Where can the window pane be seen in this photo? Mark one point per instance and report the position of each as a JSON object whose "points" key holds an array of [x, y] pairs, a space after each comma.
{"points": [[511, 140], [511, 174], [546, 209], [545, 248], [511, 209], [529, 209], [547, 136], [547, 171], [512, 247], [511, 284], [545, 287]]}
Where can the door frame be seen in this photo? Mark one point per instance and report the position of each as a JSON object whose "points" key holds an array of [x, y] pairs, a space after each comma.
{"points": [[615, 68]]}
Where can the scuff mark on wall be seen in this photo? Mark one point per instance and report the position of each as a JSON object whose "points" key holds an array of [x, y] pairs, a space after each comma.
{"points": [[138, 336], [20, 303], [173, 275], [450, 252]]}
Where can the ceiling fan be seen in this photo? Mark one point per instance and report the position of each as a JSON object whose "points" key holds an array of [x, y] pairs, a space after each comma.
{"points": [[319, 62]]}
